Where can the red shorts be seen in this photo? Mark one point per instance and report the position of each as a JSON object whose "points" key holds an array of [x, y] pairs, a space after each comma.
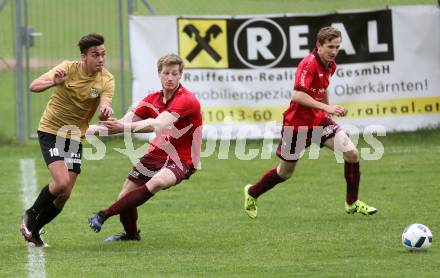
{"points": [[148, 166], [293, 142]]}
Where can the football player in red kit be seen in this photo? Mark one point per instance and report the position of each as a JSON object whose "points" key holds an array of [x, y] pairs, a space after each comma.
{"points": [[307, 120], [174, 114]]}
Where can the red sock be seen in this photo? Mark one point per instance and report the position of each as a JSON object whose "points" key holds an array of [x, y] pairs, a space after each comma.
{"points": [[130, 200], [128, 219], [352, 176], [266, 182]]}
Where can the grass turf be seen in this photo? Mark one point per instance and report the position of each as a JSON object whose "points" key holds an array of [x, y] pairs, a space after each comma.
{"points": [[199, 228]]}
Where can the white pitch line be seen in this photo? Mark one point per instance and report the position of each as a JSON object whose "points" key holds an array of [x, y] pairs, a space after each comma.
{"points": [[36, 260]]}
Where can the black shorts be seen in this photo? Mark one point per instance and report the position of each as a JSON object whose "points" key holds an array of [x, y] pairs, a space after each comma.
{"points": [[56, 148]]}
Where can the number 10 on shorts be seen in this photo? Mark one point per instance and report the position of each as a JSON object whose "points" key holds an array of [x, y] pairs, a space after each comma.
{"points": [[54, 152]]}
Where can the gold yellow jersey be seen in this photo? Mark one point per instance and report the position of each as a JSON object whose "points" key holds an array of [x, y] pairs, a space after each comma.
{"points": [[73, 103]]}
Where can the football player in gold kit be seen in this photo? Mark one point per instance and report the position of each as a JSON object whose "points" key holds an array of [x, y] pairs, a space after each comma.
{"points": [[80, 88]]}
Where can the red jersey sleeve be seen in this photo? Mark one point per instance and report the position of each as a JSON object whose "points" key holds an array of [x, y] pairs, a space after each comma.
{"points": [[143, 109], [184, 106], [304, 75]]}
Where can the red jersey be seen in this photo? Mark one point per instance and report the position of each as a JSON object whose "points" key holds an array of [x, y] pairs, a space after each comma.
{"points": [[183, 140], [311, 78]]}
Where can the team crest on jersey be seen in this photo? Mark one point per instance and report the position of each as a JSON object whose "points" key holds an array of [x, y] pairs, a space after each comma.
{"points": [[94, 92]]}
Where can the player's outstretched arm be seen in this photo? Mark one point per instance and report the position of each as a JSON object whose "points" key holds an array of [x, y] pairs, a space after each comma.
{"points": [[136, 124], [45, 82], [163, 120]]}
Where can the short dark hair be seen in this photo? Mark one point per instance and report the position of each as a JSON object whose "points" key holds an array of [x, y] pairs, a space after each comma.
{"points": [[169, 60], [90, 40], [327, 34]]}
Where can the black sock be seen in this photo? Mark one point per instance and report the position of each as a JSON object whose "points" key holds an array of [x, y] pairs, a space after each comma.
{"points": [[46, 215], [42, 201]]}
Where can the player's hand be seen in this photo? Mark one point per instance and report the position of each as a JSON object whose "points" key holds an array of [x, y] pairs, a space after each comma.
{"points": [[113, 126], [337, 110], [95, 129], [59, 76], [106, 111]]}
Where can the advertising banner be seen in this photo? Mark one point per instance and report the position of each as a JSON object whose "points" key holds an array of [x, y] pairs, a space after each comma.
{"points": [[242, 68]]}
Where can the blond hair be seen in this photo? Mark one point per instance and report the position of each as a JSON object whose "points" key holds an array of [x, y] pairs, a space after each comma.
{"points": [[168, 60]]}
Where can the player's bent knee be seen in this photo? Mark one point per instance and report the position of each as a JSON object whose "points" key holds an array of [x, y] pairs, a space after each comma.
{"points": [[64, 196], [62, 185], [58, 186], [285, 175], [352, 156], [285, 170]]}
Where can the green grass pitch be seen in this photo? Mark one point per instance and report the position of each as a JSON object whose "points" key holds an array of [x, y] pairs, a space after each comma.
{"points": [[199, 227]]}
